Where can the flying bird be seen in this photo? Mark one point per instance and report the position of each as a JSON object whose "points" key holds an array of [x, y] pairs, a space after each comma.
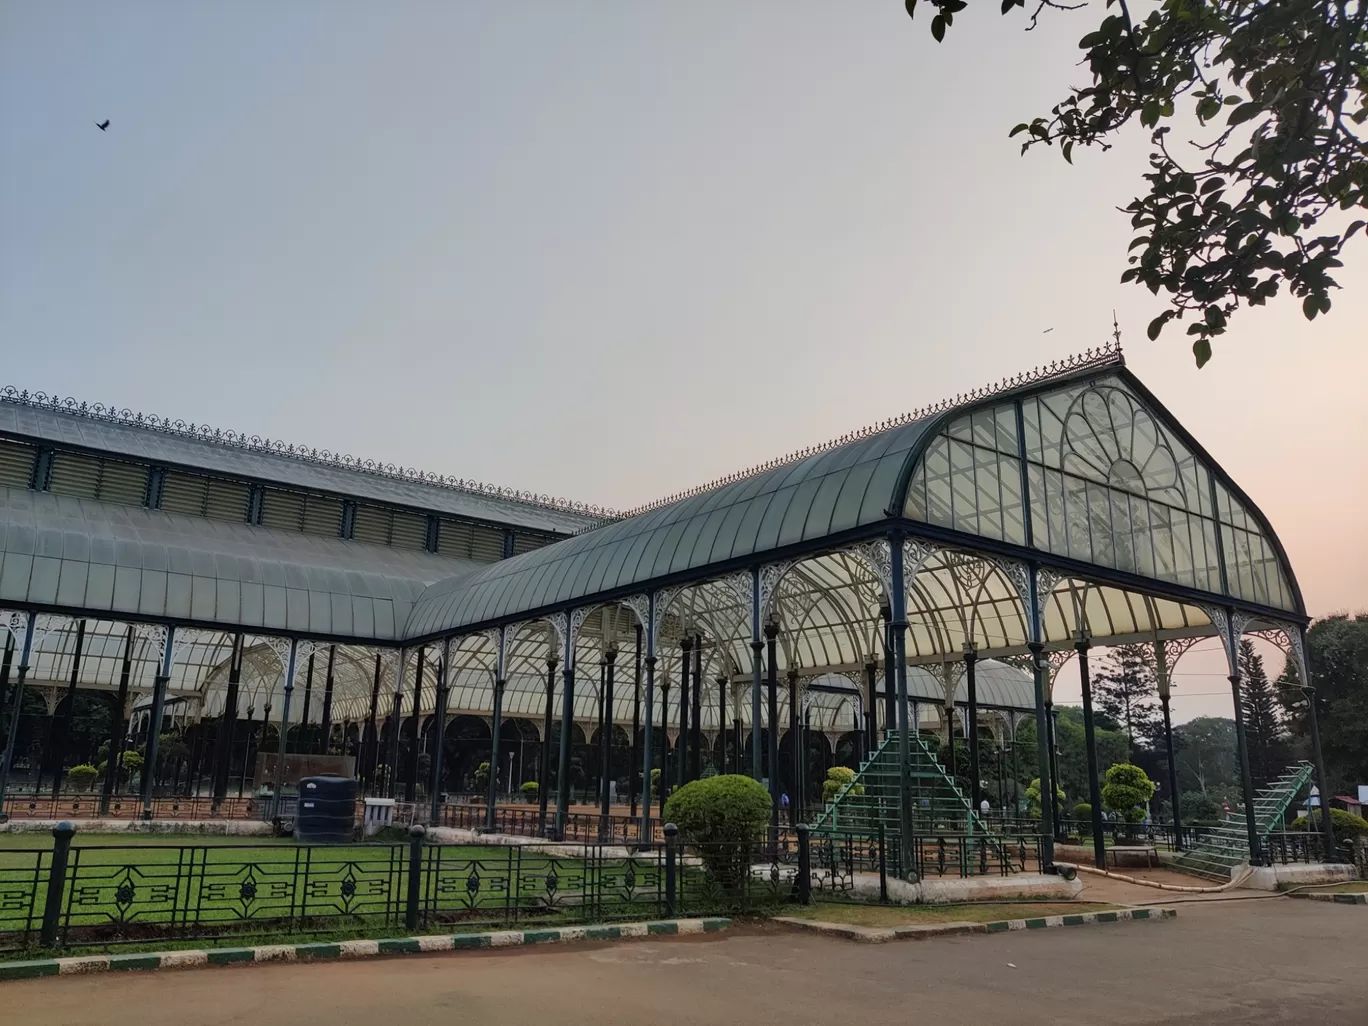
{"points": [[1045, 332], [102, 125]]}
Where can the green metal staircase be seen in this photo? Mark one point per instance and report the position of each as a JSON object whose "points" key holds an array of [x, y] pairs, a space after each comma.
{"points": [[1227, 846], [871, 799]]}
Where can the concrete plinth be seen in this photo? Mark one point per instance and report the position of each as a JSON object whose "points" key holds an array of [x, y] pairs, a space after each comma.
{"points": [[1300, 874]]}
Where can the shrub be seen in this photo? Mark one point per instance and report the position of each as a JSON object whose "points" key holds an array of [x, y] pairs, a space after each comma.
{"points": [[482, 777], [1127, 792], [721, 817], [837, 777], [1346, 825], [1033, 797], [1198, 805], [655, 780], [1083, 812], [531, 790], [81, 777]]}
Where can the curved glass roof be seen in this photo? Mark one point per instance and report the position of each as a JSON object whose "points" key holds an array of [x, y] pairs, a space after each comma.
{"points": [[843, 488], [1084, 466], [62, 552]]}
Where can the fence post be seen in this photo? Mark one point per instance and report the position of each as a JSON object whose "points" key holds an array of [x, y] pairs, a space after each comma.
{"points": [[62, 834], [671, 856], [804, 865], [883, 865], [415, 875]]}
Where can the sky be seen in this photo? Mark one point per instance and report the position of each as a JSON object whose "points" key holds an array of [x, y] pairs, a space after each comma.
{"points": [[610, 251]]}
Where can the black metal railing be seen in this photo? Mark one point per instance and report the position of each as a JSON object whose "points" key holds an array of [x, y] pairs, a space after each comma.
{"points": [[124, 806]]}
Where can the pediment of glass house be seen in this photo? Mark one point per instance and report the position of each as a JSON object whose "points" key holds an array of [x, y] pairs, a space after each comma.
{"points": [[1107, 481]]}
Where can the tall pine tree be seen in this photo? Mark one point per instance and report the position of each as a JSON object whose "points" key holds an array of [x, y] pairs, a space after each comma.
{"points": [[1264, 727], [1127, 690]]}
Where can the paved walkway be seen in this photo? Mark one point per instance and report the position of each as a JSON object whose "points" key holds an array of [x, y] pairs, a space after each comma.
{"points": [[1270, 963]]}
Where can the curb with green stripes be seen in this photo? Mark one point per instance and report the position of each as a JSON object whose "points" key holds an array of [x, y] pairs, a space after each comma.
{"points": [[81, 964], [876, 935], [1338, 897]]}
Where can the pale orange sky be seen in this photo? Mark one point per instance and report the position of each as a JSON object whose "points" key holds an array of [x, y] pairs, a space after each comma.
{"points": [[608, 252]]}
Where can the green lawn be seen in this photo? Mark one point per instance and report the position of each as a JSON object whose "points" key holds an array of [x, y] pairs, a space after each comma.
{"points": [[143, 887], [924, 915], [1347, 887]]}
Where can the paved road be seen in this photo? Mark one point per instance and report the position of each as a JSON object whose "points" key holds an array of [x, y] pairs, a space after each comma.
{"points": [[1267, 962]]}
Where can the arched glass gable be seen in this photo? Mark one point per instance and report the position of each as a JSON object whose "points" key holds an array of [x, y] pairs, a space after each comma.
{"points": [[1108, 483]]}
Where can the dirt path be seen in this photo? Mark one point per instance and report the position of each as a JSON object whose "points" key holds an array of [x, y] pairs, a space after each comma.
{"points": [[1270, 963]]}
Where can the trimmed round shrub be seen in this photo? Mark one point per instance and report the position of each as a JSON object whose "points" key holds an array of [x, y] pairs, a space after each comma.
{"points": [[81, 777], [837, 777], [1032, 795], [1083, 812], [1345, 824], [721, 818], [531, 790], [1127, 792]]}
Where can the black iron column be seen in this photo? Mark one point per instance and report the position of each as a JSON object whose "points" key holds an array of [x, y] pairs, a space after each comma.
{"points": [[159, 682], [227, 722], [1090, 743], [636, 725], [438, 733], [772, 680], [118, 725], [411, 787], [567, 723], [871, 708], [5, 662], [890, 697], [796, 749], [1161, 665], [971, 724], [1054, 765], [682, 744], [544, 776], [492, 793], [665, 766], [1242, 746], [327, 706], [722, 722], [1047, 828], [696, 713], [645, 834], [1313, 721], [370, 733], [610, 658], [396, 728], [304, 746], [59, 752]]}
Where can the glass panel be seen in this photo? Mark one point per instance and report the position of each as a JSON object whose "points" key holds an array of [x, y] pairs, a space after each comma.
{"points": [[1099, 524], [1030, 411], [938, 509], [1009, 474], [989, 497], [962, 485], [1006, 430], [985, 428], [1161, 538], [960, 428], [1076, 515]]}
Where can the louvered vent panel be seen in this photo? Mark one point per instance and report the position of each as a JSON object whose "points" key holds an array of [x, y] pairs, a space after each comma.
{"points": [[16, 464], [184, 493], [372, 525], [74, 474], [486, 544], [227, 500], [282, 510], [124, 483], [323, 516], [409, 531]]}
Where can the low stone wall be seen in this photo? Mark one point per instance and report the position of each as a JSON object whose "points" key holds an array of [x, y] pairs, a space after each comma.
{"points": [[1299, 874], [945, 890], [187, 827]]}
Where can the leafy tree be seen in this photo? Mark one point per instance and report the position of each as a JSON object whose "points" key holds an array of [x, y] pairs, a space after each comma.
{"points": [[837, 777], [1127, 690], [1195, 806], [1206, 755], [1264, 197], [1127, 793], [1263, 718], [1337, 648], [482, 777]]}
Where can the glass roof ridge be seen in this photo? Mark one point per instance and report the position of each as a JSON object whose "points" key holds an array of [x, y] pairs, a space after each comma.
{"points": [[1107, 355], [124, 417]]}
